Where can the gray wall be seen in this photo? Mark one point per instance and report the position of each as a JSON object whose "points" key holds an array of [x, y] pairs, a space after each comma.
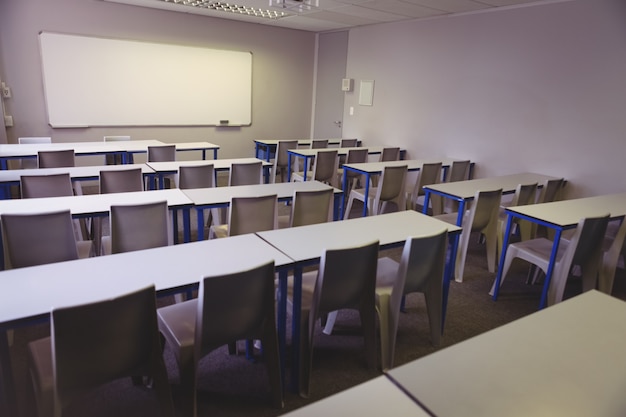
{"points": [[540, 88], [283, 64]]}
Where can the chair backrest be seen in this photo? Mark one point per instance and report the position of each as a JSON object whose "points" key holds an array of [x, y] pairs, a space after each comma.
{"points": [[281, 159], [40, 186], [484, 210], [611, 257], [430, 173], [348, 143], [121, 181], [235, 306], [357, 155], [56, 159], [346, 279], [325, 167], [34, 139], [252, 214], [459, 171], [139, 226], [116, 138], [246, 173], [551, 190], [311, 207], [584, 250], [100, 342], [391, 190], [163, 153], [319, 143], [390, 154], [116, 159], [36, 239], [524, 194], [196, 176]]}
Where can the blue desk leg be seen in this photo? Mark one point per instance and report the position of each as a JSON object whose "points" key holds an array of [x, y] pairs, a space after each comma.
{"points": [[366, 193], [448, 274], [546, 283], [200, 213], [505, 245], [295, 329], [426, 200], [289, 168]]}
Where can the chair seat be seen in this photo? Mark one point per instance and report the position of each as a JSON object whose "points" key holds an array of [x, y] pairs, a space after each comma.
{"points": [[218, 231], [180, 322]]}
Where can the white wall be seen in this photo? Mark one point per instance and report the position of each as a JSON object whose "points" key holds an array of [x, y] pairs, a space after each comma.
{"points": [[282, 68], [539, 88]]}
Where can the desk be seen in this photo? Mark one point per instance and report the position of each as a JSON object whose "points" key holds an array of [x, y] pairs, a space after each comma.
{"points": [[167, 168], [306, 244], [203, 198], [28, 294], [566, 360], [463, 191], [374, 398], [308, 154], [265, 149], [559, 215], [20, 151], [376, 168], [94, 205]]}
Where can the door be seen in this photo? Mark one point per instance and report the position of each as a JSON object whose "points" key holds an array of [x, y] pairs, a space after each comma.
{"points": [[332, 58]]}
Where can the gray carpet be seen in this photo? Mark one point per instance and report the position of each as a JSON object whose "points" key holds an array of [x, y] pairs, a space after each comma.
{"points": [[235, 386]]}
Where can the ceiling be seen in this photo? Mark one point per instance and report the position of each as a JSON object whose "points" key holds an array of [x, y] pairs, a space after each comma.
{"points": [[328, 15]]}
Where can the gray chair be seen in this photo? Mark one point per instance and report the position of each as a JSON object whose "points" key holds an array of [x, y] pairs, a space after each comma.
{"points": [[229, 308], [39, 238], [388, 197], [430, 173], [116, 159], [56, 159], [97, 343], [324, 169], [309, 207], [246, 173], [355, 156], [163, 153], [281, 159], [248, 215], [30, 163], [346, 279], [121, 181], [199, 176]]}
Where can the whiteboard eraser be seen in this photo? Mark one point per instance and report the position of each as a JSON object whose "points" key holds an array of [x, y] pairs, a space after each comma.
{"points": [[223, 122]]}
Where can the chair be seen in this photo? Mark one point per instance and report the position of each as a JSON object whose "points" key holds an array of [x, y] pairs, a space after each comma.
{"points": [[229, 308], [348, 143], [40, 238], [97, 343], [56, 185], [309, 207], [346, 279], [319, 143], [459, 171], [29, 163], [121, 181], [524, 194], [281, 159], [137, 226], [611, 255], [56, 159], [248, 215], [390, 154], [583, 249], [198, 176], [324, 168], [430, 173], [481, 217], [116, 159], [164, 153], [387, 197], [551, 190], [355, 156], [246, 173]]}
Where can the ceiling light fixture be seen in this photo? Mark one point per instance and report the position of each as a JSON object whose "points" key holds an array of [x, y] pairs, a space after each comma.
{"points": [[230, 8], [296, 6]]}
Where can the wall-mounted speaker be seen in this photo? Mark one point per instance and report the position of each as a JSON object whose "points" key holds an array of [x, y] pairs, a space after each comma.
{"points": [[346, 84]]}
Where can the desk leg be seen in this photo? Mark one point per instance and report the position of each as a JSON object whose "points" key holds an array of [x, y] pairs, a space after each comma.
{"points": [[288, 167], [295, 329], [505, 245], [344, 187], [366, 197], [200, 213], [175, 225], [426, 200], [8, 404], [448, 275], [281, 317], [306, 168], [459, 218]]}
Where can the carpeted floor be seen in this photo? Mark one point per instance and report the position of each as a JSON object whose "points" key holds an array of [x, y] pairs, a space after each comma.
{"points": [[235, 386]]}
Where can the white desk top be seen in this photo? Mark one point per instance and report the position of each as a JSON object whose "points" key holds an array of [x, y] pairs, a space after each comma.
{"points": [[307, 153], [218, 164], [222, 195], [306, 243], [566, 360], [76, 173], [93, 204], [274, 142], [375, 398], [467, 189], [413, 164], [569, 212], [87, 148], [195, 146], [34, 291]]}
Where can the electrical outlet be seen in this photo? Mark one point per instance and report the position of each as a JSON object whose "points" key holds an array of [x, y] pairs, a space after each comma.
{"points": [[6, 91], [8, 121]]}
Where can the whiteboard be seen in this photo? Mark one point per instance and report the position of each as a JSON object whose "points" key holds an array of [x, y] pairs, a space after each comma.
{"points": [[90, 81]]}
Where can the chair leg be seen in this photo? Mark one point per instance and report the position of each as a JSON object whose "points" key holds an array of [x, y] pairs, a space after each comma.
{"points": [[330, 322], [272, 361], [387, 333]]}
